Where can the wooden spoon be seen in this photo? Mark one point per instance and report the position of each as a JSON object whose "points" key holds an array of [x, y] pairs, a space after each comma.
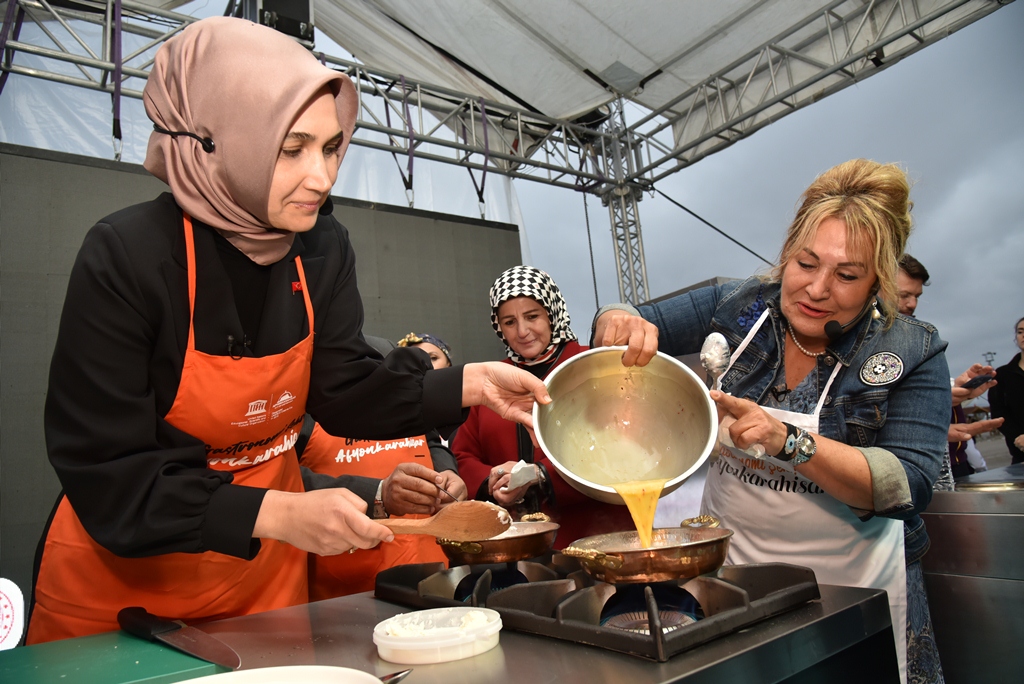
{"points": [[462, 521]]}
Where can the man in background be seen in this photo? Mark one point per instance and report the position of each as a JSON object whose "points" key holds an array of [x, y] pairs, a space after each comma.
{"points": [[964, 457], [910, 282]]}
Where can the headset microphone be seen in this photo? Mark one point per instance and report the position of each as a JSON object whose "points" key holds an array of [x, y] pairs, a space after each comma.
{"points": [[834, 329]]}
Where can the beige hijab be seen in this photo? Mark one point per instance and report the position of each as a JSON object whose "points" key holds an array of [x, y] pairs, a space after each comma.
{"points": [[242, 85]]}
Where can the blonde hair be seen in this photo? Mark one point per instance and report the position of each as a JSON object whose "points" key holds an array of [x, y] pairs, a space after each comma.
{"points": [[873, 200]]}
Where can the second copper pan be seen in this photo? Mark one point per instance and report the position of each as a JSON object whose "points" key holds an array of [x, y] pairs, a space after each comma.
{"points": [[520, 541]]}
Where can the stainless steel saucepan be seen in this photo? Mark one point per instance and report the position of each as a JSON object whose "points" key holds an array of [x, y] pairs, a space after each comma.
{"points": [[608, 424]]}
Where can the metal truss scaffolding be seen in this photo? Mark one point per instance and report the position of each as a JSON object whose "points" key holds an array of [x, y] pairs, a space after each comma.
{"points": [[396, 114], [832, 48], [65, 38], [621, 196]]}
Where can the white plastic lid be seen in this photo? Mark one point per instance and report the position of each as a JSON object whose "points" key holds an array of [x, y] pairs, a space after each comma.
{"points": [[437, 635]]}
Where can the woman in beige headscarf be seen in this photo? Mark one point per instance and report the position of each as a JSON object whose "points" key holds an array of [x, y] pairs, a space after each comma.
{"points": [[197, 330]]}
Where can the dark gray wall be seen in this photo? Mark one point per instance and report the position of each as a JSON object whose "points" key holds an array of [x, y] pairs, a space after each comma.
{"points": [[417, 270], [426, 272]]}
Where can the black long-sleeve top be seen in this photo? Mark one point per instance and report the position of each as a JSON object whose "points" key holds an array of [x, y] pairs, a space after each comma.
{"points": [[142, 487], [1007, 401]]}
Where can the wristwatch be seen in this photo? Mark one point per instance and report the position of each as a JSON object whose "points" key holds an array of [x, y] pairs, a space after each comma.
{"points": [[799, 446], [379, 512]]}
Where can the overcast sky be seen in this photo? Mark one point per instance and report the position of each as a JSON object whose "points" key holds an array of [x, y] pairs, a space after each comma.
{"points": [[951, 115]]}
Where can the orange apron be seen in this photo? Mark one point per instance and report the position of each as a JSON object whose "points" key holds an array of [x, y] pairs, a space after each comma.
{"points": [[248, 411], [350, 573]]}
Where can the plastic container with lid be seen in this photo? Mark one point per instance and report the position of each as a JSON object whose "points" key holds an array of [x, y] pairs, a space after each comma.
{"points": [[437, 635]]}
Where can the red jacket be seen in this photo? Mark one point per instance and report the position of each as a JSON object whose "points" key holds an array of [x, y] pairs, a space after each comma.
{"points": [[486, 440]]}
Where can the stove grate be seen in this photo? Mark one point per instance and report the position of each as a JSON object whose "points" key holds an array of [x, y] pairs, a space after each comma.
{"points": [[652, 621]]}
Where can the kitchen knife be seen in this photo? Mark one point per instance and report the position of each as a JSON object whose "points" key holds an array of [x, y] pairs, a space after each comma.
{"points": [[140, 623]]}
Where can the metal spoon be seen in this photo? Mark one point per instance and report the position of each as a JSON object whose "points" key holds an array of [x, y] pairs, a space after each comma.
{"points": [[715, 356], [396, 677], [450, 496]]}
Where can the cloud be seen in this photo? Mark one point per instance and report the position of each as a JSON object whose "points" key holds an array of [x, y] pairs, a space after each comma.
{"points": [[972, 241]]}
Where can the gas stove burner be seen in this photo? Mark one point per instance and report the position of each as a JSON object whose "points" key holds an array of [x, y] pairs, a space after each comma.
{"points": [[638, 621], [628, 604], [500, 579]]}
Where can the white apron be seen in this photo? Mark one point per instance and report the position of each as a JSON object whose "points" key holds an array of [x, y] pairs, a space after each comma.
{"points": [[778, 516]]}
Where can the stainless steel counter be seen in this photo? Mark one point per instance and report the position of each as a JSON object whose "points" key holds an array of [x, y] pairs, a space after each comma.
{"points": [[846, 636], [974, 573]]}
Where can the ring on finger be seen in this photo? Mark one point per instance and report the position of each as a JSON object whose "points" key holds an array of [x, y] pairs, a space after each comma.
{"points": [[499, 472]]}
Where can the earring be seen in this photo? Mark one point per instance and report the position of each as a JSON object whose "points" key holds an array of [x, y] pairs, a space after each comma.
{"points": [[875, 313]]}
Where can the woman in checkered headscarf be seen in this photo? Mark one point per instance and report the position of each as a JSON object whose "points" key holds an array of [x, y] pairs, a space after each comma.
{"points": [[528, 313]]}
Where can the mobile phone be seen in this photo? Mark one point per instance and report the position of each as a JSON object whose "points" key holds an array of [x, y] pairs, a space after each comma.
{"points": [[977, 381]]}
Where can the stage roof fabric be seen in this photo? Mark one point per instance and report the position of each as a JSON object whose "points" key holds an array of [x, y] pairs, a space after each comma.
{"points": [[563, 58]]}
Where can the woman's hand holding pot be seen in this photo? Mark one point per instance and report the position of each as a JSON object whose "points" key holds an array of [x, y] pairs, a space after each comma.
{"points": [[616, 328]]}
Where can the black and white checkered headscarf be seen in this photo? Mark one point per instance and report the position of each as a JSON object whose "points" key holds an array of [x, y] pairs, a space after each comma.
{"points": [[527, 281]]}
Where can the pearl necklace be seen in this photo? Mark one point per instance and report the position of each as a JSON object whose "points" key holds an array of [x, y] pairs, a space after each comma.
{"points": [[799, 346]]}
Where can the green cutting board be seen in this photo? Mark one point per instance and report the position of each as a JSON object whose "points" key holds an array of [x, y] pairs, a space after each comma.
{"points": [[111, 658]]}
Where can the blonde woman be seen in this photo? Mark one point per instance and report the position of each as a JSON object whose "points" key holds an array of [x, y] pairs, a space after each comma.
{"points": [[849, 402]]}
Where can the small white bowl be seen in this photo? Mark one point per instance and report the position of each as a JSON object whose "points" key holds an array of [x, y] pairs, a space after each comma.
{"points": [[438, 635]]}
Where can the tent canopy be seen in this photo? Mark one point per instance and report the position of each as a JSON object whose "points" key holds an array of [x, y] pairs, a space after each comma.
{"points": [[713, 71], [562, 59], [704, 74]]}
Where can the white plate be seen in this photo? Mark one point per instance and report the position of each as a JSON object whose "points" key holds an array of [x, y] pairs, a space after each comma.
{"points": [[306, 674]]}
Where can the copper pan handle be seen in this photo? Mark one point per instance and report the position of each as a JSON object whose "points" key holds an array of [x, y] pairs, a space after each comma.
{"points": [[462, 547], [701, 521], [594, 556], [535, 517]]}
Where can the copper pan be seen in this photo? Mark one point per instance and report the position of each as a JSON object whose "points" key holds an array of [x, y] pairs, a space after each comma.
{"points": [[697, 547], [524, 539]]}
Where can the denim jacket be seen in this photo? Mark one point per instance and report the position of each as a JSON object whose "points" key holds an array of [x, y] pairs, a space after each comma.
{"points": [[900, 426]]}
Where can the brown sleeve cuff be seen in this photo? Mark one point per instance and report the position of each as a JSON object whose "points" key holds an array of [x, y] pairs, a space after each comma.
{"points": [[890, 488]]}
